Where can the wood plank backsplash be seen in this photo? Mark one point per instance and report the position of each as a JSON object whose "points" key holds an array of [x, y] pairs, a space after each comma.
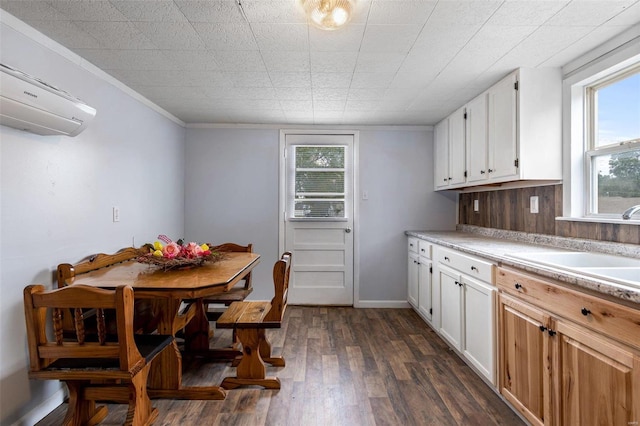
{"points": [[509, 209]]}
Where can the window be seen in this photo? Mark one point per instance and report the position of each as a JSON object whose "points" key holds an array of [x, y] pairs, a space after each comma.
{"points": [[612, 155], [318, 180]]}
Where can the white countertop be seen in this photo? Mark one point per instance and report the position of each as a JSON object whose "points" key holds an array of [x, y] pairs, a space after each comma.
{"points": [[496, 245]]}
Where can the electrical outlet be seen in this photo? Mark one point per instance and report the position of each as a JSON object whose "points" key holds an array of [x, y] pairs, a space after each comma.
{"points": [[533, 204], [476, 205], [116, 214]]}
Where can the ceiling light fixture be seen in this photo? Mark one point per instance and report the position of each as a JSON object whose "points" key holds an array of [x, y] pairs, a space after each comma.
{"points": [[328, 14]]}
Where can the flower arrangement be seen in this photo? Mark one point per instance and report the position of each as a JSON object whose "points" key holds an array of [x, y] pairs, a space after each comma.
{"points": [[171, 255]]}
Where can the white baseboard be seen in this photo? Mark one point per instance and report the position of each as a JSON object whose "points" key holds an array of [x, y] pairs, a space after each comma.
{"points": [[42, 410], [395, 304]]}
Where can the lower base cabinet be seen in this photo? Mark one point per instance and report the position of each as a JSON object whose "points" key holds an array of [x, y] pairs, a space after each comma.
{"points": [[556, 371]]}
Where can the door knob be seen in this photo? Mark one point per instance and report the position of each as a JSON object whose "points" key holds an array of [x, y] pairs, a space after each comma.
{"points": [[347, 230]]}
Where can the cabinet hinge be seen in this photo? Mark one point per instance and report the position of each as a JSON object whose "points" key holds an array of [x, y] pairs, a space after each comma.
{"points": [[516, 162], [430, 311], [465, 173], [515, 85], [465, 115], [431, 269]]}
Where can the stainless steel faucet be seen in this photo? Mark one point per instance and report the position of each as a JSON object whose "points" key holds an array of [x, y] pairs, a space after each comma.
{"points": [[630, 212]]}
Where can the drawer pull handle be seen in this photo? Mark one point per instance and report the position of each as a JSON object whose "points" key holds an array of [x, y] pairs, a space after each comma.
{"points": [[446, 258], [473, 268], [585, 311], [518, 286], [543, 328]]}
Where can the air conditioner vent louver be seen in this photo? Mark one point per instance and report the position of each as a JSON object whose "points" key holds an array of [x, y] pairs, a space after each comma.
{"points": [[31, 104]]}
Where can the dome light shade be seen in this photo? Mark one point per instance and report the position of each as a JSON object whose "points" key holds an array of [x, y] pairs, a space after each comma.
{"points": [[328, 14]]}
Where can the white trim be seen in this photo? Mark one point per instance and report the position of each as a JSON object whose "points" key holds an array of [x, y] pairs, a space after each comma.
{"points": [[304, 127], [38, 37], [379, 304], [42, 410], [619, 53]]}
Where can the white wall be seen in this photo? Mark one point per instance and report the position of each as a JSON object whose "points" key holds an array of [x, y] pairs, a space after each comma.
{"points": [[231, 194], [57, 198]]}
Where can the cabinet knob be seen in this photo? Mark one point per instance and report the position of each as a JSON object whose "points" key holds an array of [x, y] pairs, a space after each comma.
{"points": [[446, 258], [450, 178], [518, 286], [473, 268], [585, 311], [490, 170], [445, 179], [543, 328], [481, 172], [551, 332]]}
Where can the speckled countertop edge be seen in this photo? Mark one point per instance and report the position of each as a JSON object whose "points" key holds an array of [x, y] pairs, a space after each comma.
{"points": [[496, 245]]}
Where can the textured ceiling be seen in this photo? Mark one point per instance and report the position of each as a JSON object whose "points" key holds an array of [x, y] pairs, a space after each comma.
{"points": [[396, 63]]}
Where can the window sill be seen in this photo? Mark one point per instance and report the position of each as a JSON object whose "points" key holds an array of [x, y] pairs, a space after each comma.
{"points": [[600, 220]]}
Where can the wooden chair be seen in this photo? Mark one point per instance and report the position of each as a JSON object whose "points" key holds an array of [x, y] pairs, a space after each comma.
{"points": [[95, 367], [144, 318], [250, 320]]}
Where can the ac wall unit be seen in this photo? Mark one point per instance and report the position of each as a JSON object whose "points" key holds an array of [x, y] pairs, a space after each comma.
{"points": [[28, 103]]}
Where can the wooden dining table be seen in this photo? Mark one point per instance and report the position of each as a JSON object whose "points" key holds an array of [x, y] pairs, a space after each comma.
{"points": [[176, 296]]}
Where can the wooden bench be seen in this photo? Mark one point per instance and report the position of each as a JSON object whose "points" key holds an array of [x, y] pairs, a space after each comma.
{"points": [[94, 367], [249, 320]]}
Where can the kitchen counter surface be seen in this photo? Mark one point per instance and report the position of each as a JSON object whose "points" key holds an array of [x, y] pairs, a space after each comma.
{"points": [[496, 245]]}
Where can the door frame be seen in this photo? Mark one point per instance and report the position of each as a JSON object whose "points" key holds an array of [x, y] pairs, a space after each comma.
{"points": [[282, 195]]}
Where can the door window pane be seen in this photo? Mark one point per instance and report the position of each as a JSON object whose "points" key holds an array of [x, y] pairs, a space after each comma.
{"points": [[319, 181]]}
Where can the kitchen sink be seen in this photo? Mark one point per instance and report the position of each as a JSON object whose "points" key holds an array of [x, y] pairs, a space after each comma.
{"points": [[622, 270]]}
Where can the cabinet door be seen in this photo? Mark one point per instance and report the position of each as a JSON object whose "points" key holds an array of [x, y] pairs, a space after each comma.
{"points": [[479, 340], [441, 154], [424, 290], [599, 381], [476, 139], [412, 281], [524, 370], [502, 129], [457, 162], [450, 306]]}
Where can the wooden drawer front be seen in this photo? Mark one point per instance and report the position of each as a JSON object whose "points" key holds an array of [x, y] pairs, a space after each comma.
{"points": [[616, 321], [468, 265], [412, 244], [424, 249]]}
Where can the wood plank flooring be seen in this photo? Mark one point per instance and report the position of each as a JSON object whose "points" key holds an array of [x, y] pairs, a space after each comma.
{"points": [[345, 366]]}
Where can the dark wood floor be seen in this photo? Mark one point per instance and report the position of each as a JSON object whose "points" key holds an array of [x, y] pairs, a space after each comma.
{"points": [[345, 366]]}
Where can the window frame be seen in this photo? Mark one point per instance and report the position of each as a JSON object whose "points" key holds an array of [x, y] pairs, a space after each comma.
{"points": [[591, 150], [621, 54]]}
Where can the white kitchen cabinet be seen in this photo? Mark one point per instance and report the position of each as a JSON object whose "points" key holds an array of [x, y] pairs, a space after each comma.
{"points": [[412, 273], [479, 326], [449, 158], [512, 131], [450, 306], [467, 308], [476, 140], [425, 292]]}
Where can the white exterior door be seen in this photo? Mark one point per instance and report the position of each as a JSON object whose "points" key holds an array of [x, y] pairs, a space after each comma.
{"points": [[317, 197]]}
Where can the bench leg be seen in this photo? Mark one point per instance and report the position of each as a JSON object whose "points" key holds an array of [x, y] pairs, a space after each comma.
{"points": [[265, 352], [140, 411], [251, 369], [82, 411]]}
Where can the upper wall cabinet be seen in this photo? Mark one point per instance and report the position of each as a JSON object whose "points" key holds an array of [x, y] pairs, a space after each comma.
{"points": [[512, 131], [450, 151]]}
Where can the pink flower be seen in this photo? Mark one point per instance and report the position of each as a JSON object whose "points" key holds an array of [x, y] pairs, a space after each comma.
{"points": [[171, 250], [193, 250]]}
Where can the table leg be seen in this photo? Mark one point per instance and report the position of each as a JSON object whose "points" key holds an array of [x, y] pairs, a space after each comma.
{"points": [[165, 377], [196, 337]]}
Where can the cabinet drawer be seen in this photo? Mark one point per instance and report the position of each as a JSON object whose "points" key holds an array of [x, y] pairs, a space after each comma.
{"points": [[616, 321], [468, 265], [424, 249], [412, 244]]}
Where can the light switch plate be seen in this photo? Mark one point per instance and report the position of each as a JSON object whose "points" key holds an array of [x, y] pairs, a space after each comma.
{"points": [[533, 204]]}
